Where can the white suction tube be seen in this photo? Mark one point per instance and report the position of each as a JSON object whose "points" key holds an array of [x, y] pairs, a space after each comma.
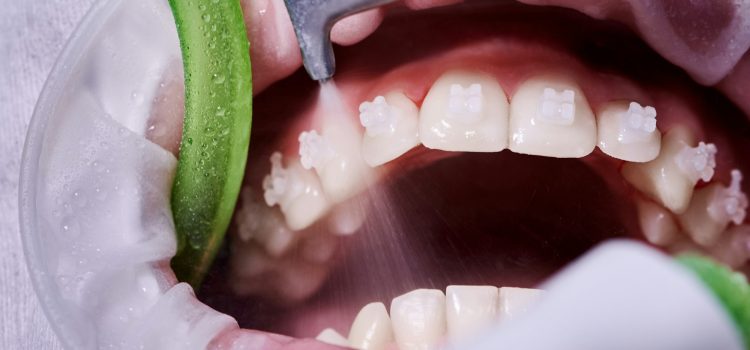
{"points": [[620, 295]]}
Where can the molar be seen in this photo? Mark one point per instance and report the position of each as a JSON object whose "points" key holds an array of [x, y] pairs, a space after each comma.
{"points": [[296, 191], [465, 111], [336, 157], [549, 116], [419, 319], [514, 302], [669, 179], [711, 210], [371, 329], [391, 127], [470, 309], [628, 131]]}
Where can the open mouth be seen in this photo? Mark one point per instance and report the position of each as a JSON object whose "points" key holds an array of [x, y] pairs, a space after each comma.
{"points": [[461, 157], [492, 145]]}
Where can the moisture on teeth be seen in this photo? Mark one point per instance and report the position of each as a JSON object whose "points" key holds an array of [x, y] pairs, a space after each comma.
{"points": [[628, 131], [330, 336], [335, 154], [464, 111], [296, 191], [419, 319], [549, 116], [712, 208], [371, 329], [664, 179], [657, 223], [514, 302], [391, 127], [470, 309]]}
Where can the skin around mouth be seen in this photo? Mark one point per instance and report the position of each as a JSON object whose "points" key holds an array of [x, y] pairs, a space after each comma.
{"points": [[430, 217]]}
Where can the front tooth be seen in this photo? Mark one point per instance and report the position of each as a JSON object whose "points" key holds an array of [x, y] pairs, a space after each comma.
{"points": [[465, 111], [336, 157], [419, 319], [657, 223], [669, 179], [391, 127], [470, 309], [371, 329], [711, 210], [628, 131], [296, 190], [515, 302], [330, 336], [549, 116]]}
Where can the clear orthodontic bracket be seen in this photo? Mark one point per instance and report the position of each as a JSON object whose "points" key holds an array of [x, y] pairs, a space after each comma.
{"points": [[378, 117], [732, 202], [314, 150], [698, 162], [637, 124], [278, 182], [465, 103], [557, 107]]}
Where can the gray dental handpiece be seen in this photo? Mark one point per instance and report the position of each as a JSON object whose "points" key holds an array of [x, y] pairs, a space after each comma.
{"points": [[312, 21]]}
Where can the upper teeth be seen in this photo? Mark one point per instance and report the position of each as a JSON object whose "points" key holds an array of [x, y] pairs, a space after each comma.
{"points": [[465, 103], [698, 162], [314, 150], [637, 123], [377, 117], [557, 107]]}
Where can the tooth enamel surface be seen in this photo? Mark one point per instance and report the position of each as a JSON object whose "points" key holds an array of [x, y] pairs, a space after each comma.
{"points": [[470, 309], [335, 154], [698, 162], [628, 131], [371, 329], [711, 210], [549, 116], [260, 223], [663, 179], [296, 191], [391, 127], [733, 248], [657, 223], [419, 319], [514, 302], [464, 111], [332, 337]]}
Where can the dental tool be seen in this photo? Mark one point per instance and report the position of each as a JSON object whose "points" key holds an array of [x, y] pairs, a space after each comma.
{"points": [[625, 295], [312, 21]]}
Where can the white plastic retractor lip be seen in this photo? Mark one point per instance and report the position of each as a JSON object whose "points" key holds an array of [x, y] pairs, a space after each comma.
{"points": [[557, 107], [314, 150], [637, 123], [698, 162], [378, 117], [465, 103]]}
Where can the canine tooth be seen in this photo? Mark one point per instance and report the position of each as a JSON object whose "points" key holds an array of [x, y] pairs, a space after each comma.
{"points": [[657, 223], [698, 162], [628, 131], [470, 309], [335, 154], [549, 116], [259, 222], [514, 302], [465, 111], [371, 329], [663, 179], [418, 319], [296, 191], [330, 336], [391, 127], [712, 208]]}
